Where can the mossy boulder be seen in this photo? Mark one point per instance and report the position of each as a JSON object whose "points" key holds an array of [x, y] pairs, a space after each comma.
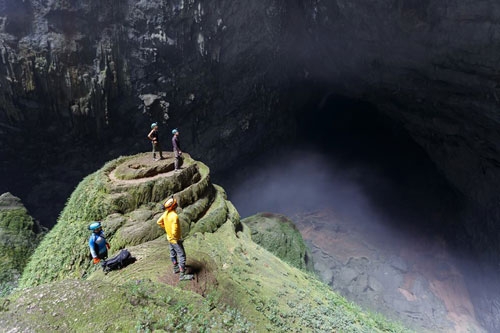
{"points": [[19, 236], [279, 235]]}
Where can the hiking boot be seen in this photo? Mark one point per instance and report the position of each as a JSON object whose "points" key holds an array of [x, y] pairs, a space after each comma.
{"points": [[185, 277], [176, 269], [177, 170]]}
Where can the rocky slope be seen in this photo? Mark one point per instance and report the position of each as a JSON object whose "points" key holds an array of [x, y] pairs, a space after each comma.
{"points": [[414, 280], [238, 285], [19, 236]]}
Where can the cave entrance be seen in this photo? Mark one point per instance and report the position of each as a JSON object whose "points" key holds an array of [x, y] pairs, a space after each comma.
{"points": [[369, 201], [395, 173]]}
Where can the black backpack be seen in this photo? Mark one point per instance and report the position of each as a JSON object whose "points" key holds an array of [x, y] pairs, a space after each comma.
{"points": [[119, 261]]}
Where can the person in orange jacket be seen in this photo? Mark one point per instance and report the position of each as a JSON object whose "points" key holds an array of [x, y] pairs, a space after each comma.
{"points": [[170, 222], [97, 243]]}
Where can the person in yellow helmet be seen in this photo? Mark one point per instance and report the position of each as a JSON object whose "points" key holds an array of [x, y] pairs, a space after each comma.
{"points": [[170, 222]]}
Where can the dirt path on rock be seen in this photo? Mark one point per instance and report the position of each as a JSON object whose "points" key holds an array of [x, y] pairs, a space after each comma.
{"points": [[144, 161]]}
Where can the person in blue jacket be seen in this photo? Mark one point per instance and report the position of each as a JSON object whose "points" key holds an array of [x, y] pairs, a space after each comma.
{"points": [[97, 243]]}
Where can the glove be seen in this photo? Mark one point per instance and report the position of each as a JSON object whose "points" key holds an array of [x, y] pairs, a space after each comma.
{"points": [[96, 260], [107, 246]]}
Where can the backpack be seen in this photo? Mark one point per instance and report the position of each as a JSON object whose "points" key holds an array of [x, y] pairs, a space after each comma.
{"points": [[119, 261]]}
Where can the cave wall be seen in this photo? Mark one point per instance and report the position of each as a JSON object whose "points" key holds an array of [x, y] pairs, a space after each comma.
{"points": [[233, 74], [432, 66]]}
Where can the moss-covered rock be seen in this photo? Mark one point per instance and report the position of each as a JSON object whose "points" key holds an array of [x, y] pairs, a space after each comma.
{"points": [[280, 236], [19, 236], [128, 204], [239, 287]]}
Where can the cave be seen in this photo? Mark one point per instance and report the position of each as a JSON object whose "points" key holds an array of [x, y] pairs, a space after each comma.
{"points": [[353, 162], [394, 103]]}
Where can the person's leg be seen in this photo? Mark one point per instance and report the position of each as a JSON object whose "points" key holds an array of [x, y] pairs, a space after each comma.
{"points": [[176, 162], [173, 258], [154, 150], [160, 150], [103, 255], [181, 255], [179, 248]]}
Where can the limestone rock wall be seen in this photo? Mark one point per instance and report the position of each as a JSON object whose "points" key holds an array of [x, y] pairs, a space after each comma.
{"points": [[225, 71]]}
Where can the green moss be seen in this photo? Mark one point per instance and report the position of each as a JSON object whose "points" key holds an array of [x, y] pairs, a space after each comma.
{"points": [[64, 252], [275, 296], [19, 236], [242, 287], [215, 216], [251, 290], [279, 235], [136, 306]]}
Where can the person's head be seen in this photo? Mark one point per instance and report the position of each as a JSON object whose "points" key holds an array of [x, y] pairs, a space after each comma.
{"points": [[170, 204], [154, 126], [175, 131], [95, 226]]}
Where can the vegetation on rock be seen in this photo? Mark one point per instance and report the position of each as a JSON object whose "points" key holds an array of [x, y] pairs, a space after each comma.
{"points": [[19, 236], [280, 236], [239, 286]]}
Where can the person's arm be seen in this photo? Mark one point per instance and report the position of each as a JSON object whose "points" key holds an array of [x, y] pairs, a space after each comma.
{"points": [[160, 222], [176, 230], [150, 136], [92, 247]]}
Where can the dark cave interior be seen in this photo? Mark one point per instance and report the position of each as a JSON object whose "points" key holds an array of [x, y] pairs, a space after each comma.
{"points": [[351, 157], [394, 172]]}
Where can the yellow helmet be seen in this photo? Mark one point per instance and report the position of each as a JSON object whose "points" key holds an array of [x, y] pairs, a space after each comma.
{"points": [[170, 203]]}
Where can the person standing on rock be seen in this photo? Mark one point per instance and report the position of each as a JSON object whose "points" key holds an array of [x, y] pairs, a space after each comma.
{"points": [[97, 242], [154, 137], [170, 222], [177, 150]]}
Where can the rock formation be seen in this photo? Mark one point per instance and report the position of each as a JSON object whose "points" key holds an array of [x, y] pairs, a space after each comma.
{"points": [[223, 70], [238, 285], [19, 236], [279, 235], [127, 196], [94, 73]]}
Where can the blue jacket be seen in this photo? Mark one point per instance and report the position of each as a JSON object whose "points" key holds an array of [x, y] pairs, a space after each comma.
{"points": [[97, 244]]}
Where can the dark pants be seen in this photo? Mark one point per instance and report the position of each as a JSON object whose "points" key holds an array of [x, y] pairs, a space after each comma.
{"points": [[157, 148], [178, 255], [103, 255], [178, 160]]}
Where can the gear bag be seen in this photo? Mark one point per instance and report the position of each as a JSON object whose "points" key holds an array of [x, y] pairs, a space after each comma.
{"points": [[119, 261]]}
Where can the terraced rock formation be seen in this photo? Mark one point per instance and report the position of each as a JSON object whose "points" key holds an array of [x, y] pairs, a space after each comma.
{"points": [[239, 286], [127, 196]]}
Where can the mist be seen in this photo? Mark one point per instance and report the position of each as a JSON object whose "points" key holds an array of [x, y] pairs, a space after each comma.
{"points": [[376, 194]]}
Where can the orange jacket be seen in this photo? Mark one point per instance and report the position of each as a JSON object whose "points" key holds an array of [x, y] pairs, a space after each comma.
{"points": [[170, 222]]}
